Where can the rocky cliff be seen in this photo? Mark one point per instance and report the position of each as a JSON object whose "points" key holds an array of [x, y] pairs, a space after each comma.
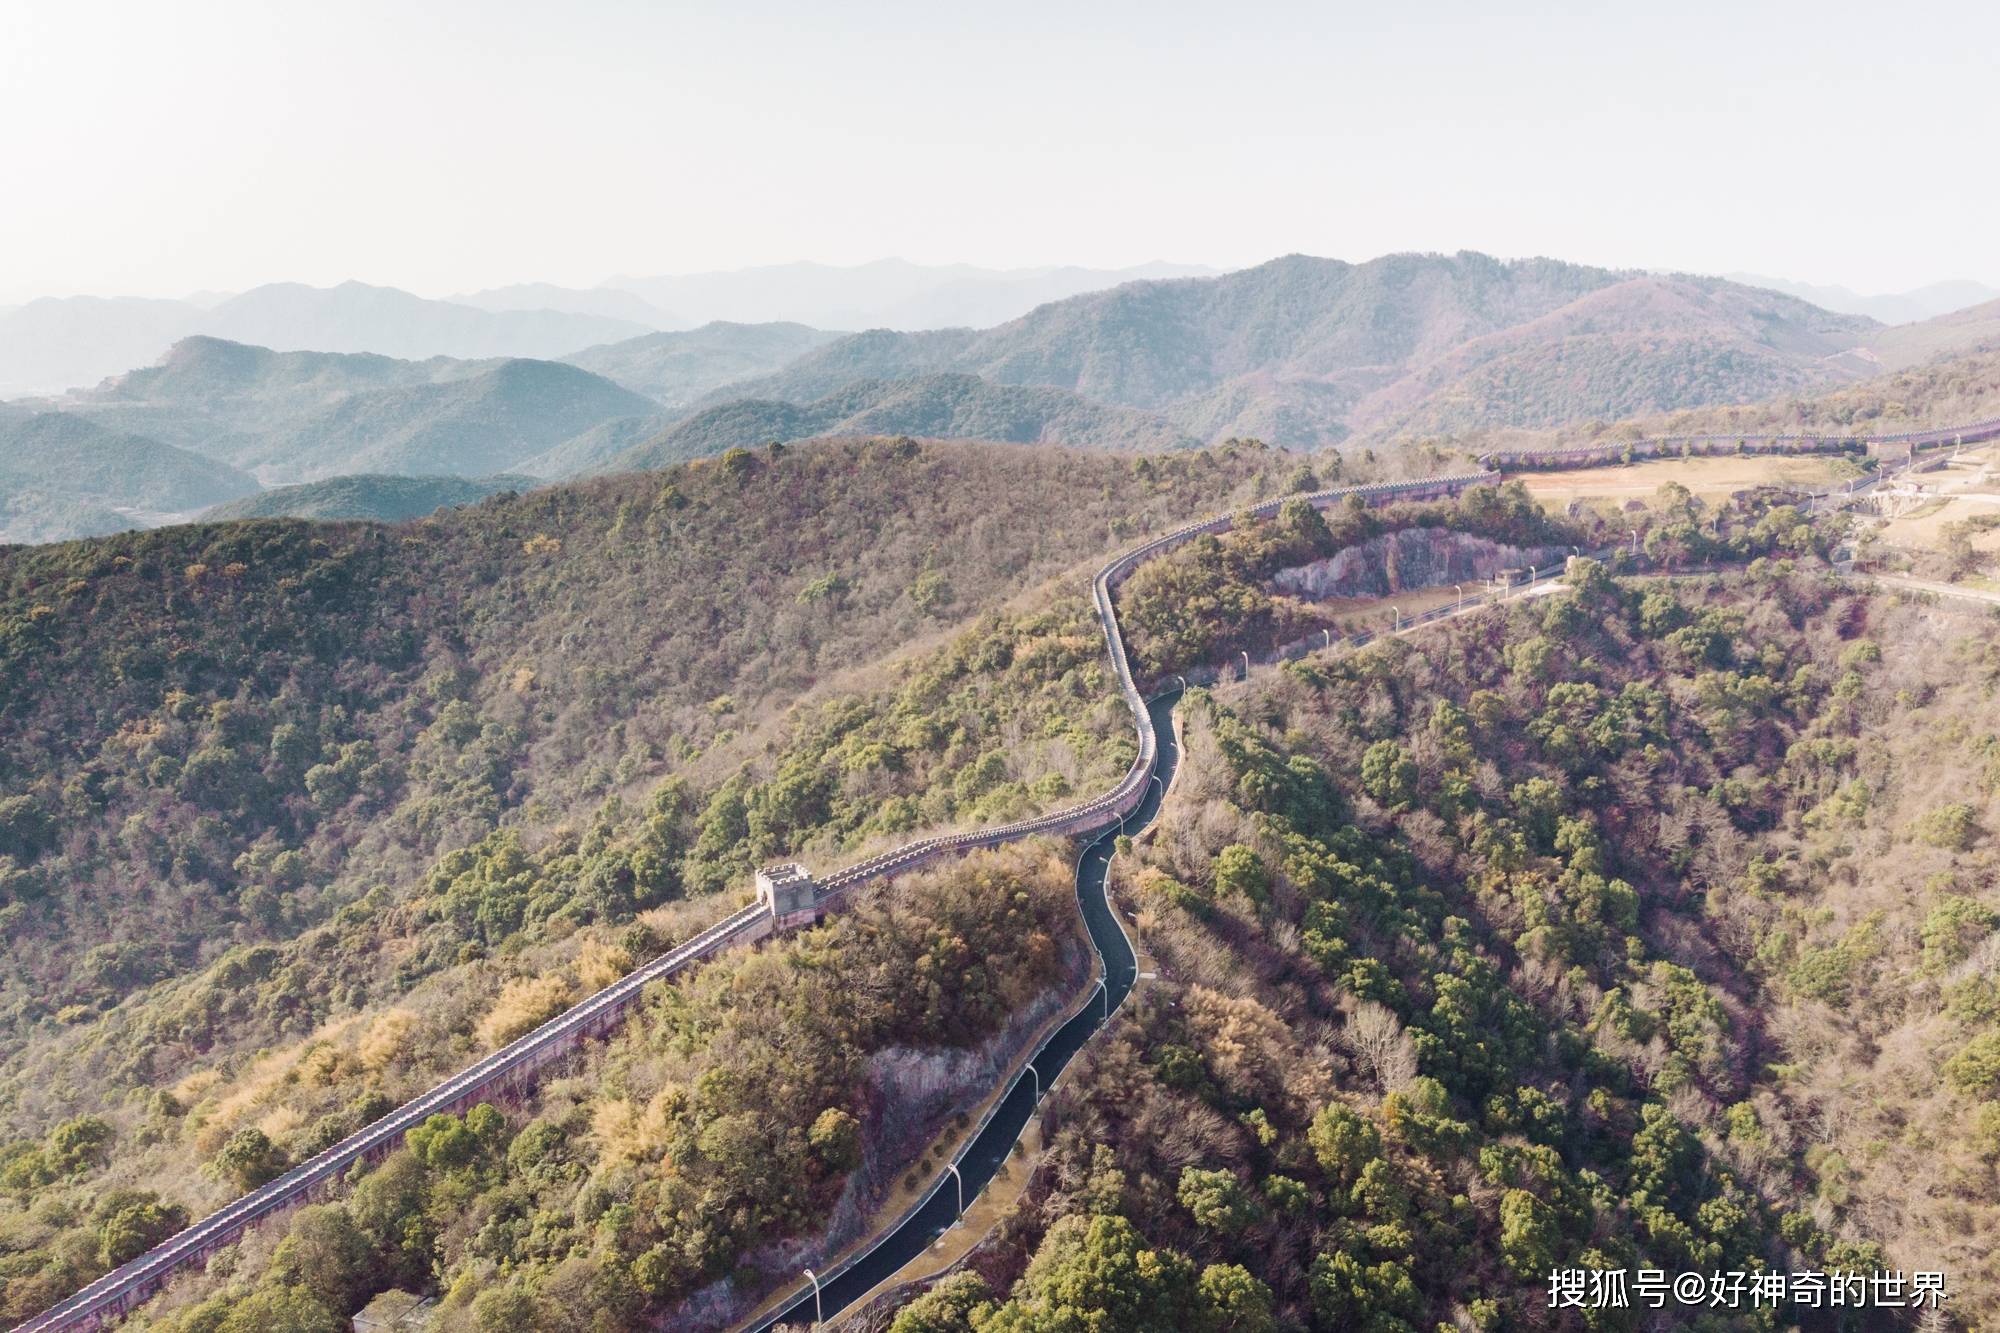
{"points": [[1412, 558]]}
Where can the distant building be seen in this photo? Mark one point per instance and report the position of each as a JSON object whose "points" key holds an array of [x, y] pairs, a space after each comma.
{"points": [[1890, 451]]}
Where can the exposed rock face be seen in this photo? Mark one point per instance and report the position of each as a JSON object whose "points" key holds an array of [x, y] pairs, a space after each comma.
{"points": [[1410, 558]]}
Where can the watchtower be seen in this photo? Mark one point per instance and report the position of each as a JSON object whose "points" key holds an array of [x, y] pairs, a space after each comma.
{"points": [[789, 895]]}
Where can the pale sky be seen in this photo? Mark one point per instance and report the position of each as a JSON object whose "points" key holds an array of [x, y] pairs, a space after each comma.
{"points": [[158, 149]]}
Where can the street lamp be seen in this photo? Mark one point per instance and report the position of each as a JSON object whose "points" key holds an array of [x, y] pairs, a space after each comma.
{"points": [[1399, 618], [953, 1168], [818, 1317], [1459, 605], [1246, 665]]}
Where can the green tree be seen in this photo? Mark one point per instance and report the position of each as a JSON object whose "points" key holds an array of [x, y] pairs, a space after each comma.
{"points": [[325, 1253], [835, 1139], [1389, 774], [248, 1158], [130, 1224], [1528, 1234], [1231, 1300], [1350, 1294], [79, 1144], [1098, 1274], [946, 1308], [1238, 869], [1344, 1141], [1217, 1200]]}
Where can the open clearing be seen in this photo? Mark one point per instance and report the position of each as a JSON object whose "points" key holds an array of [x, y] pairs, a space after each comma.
{"points": [[1923, 505], [1708, 478]]}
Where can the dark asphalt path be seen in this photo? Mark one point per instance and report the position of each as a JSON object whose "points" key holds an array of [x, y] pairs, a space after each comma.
{"points": [[983, 1156]]}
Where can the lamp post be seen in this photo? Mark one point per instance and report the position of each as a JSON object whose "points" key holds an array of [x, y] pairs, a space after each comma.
{"points": [[1459, 605], [953, 1168], [818, 1317], [1399, 618], [1038, 1079], [1246, 664]]}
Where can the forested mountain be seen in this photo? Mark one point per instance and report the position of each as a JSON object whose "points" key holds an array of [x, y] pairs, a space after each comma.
{"points": [[591, 452], [1645, 345], [677, 368], [64, 476], [303, 415], [475, 426], [274, 784], [387, 499], [1945, 391], [1306, 350], [941, 406]]}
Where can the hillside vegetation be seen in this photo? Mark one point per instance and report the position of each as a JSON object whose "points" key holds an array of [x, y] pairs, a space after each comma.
{"points": [[939, 406], [1945, 391], [1648, 925], [296, 416], [386, 499], [268, 781], [674, 369]]}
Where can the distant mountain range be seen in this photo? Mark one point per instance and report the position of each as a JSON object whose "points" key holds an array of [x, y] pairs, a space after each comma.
{"points": [[1308, 351], [943, 406], [674, 369], [55, 344], [302, 416], [1928, 302], [1300, 351], [384, 498]]}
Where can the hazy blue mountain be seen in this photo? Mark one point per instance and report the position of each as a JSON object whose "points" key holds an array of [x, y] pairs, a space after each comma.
{"points": [[677, 368], [939, 406], [1300, 349], [355, 317], [1919, 303], [221, 398], [889, 293], [50, 346], [62, 343], [603, 302], [591, 450], [64, 476], [388, 499], [300, 416], [473, 426]]}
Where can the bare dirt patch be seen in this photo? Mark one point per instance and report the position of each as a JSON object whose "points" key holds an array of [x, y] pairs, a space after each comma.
{"points": [[1708, 478]]}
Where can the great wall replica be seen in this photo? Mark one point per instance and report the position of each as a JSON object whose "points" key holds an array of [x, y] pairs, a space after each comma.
{"points": [[789, 897]]}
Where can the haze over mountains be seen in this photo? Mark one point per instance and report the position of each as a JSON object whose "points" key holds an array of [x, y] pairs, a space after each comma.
{"points": [[55, 344], [1926, 302], [59, 343], [1300, 351]]}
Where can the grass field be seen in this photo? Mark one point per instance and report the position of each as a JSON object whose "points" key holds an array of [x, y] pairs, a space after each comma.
{"points": [[1708, 478]]}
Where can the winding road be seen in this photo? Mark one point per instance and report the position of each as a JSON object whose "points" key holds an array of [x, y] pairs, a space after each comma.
{"points": [[989, 1146]]}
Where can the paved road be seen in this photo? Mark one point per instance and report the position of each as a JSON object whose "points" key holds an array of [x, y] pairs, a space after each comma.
{"points": [[989, 1147]]}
